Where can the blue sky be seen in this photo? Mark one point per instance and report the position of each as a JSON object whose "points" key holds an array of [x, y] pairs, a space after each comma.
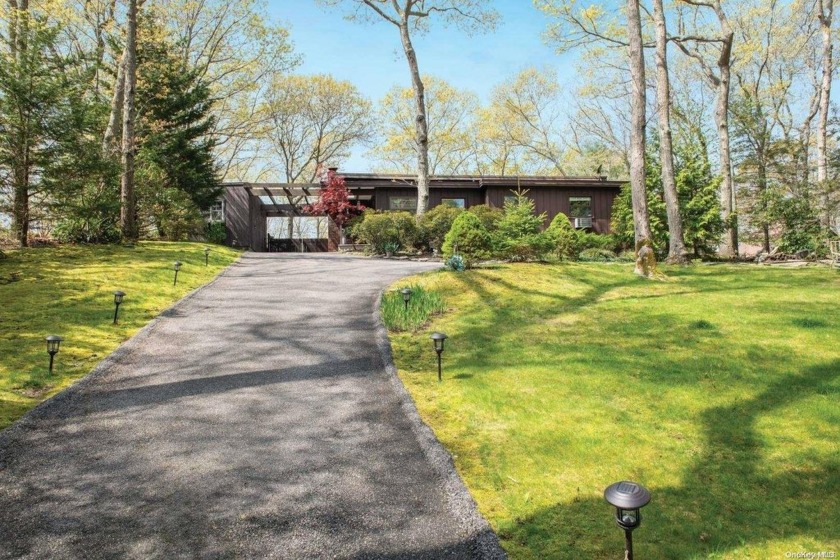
{"points": [[370, 55]]}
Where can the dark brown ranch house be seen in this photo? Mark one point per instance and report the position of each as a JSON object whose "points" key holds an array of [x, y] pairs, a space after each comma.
{"points": [[268, 216]]}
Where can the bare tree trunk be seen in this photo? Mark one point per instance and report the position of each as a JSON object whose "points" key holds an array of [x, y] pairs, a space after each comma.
{"points": [[826, 9], [637, 140], [18, 35], [729, 247], [421, 123], [761, 162], [721, 83], [128, 204], [114, 129], [676, 246]]}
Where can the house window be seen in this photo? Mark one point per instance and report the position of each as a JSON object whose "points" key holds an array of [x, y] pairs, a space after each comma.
{"points": [[454, 202], [215, 213], [510, 199], [580, 206], [408, 203]]}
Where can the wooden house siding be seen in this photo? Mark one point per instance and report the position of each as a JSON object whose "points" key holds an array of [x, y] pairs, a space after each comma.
{"points": [[246, 213], [552, 201], [237, 216]]}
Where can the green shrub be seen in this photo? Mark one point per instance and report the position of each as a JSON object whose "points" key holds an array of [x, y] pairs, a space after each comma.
{"points": [[214, 232], [490, 216], [597, 255], [801, 230], [434, 225], [518, 236], [377, 229], [423, 304], [530, 247], [406, 225], [383, 230], [564, 238], [350, 227], [588, 240], [469, 238], [87, 230], [519, 219], [179, 224]]}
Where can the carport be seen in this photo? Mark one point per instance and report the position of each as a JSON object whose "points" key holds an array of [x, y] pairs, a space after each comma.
{"points": [[271, 217]]}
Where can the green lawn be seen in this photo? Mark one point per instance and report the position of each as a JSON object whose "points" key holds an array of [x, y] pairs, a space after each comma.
{"points": [[717, 389], [68, 291]]}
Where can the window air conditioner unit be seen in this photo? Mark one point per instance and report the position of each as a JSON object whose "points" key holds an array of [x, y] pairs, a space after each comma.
{"points": [[583, 223]]}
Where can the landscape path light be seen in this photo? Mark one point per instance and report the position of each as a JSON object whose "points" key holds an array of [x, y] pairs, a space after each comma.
{"points": [[439, 338], [406, 294], [206, 255], [53, 344], [118, 299], [627, 498], [176, 266]]}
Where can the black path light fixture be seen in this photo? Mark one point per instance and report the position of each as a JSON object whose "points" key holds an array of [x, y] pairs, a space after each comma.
{"points": [[206, 256], [53, 344], [176, 266], [406, 295], [627, 498], [118, 299], [439, 338]]}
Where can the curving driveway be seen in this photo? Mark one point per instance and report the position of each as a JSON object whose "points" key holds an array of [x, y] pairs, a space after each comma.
{"points": [[255, 419]]}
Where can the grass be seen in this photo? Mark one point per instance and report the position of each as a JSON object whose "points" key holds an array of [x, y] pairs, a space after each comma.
{"points": [[423, 304], [717, 389], [68, 291]]}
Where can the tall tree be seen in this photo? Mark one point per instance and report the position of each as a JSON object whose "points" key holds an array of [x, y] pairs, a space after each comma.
{"points": [[676, 246], [528, 113], [766, 44], [240, 54], [176, 171], [603, 98], [128, 202], [22, 140], [410, 16], [312, 121], [825, 12], [451, 129], [720, 81], [47, 120], [637, 139]]}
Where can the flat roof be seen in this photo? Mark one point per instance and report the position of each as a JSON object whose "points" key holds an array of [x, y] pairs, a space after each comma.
{"points": [[356, 181]]}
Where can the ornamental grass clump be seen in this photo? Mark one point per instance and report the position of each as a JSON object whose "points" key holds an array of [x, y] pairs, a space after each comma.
{"points": [[423, 305]]}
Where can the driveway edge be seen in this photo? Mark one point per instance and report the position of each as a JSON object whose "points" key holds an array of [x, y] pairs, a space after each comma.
{"points": [[67, 394], [460, 501]]}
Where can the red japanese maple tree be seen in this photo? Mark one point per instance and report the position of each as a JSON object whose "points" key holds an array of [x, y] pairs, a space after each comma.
{"points": [[334, 200]]}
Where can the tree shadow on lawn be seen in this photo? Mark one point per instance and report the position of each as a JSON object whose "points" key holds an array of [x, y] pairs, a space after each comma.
{"points": [[726, 499], [657, 331], [732, 495]]}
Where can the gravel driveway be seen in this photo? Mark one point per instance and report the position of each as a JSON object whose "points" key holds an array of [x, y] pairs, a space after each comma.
{"points": [[255, 419]]}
